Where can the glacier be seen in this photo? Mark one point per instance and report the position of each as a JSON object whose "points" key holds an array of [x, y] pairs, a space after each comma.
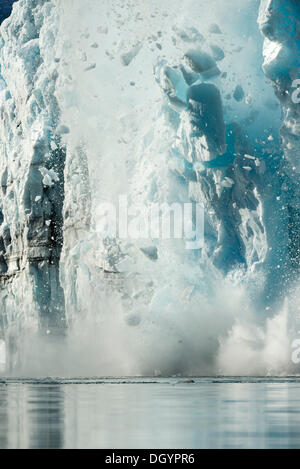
{"points": [[171, 102]]}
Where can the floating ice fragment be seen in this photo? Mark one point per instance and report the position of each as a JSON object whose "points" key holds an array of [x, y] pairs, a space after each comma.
{"points": [[38, 198]]}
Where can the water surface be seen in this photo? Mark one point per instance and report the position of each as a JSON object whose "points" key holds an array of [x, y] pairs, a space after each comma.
{"points": [[150, 413]]}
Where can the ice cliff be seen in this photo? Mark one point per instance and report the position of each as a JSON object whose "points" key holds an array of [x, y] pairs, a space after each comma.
{"points": [[165, 103], [279, 22], [32, 171]]}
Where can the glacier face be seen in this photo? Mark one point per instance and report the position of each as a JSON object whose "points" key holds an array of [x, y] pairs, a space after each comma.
{"points": [[163, 103], [31, 200], [279, 22]]}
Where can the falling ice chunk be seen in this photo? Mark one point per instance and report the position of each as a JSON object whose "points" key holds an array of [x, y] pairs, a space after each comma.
{"points": [[227, 182], [62, 129], [218, 53], [150, 252], [49, 176], [186, 296], [128, 57], [201, 62], [238, 93], [215, 29], [133, 319], [198, 166], [83, 57], [90, 67], [189, 34], [205, 104], [102, 29]]}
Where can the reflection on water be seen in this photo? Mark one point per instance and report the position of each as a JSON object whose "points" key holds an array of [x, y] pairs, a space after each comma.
{"points": [[174, 413], [46, 410]]}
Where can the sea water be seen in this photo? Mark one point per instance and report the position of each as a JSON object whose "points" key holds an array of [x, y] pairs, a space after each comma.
{"points": [[150, 413]]}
